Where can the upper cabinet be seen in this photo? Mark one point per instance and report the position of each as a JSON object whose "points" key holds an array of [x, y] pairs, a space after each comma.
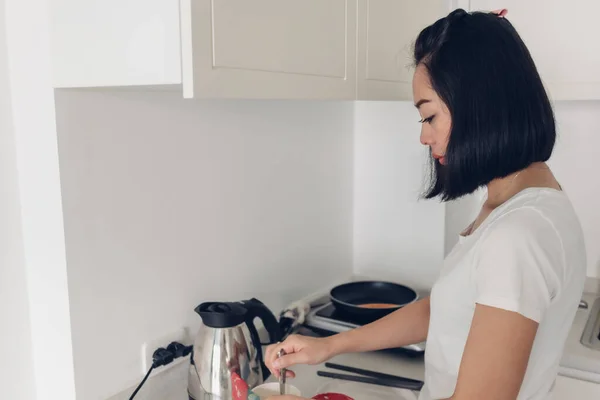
{"points": [[115, 42], [387, 30], [284, 49], [563, 39], [269, 49], [298, 49]]}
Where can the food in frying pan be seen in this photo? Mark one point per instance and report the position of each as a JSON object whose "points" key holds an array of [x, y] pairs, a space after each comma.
{"points": [[378, 305]]}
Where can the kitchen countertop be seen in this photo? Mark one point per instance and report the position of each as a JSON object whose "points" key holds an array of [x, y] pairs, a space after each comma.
{"points": [[578, 361], [172, 384], [310, 384]]}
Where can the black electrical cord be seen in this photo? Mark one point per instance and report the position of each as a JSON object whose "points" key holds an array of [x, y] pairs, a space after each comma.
{"points": [[162, 356], [142, 383]]}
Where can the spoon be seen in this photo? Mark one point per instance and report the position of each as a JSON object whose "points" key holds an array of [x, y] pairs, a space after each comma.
{"points": [[282, 374]]}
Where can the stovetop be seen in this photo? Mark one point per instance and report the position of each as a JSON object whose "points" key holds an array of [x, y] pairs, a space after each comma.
{"points": [[330, 312], [328, 320]]}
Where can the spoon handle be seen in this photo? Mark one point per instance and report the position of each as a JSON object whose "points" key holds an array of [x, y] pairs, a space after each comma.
{"points": [[282, 374]]}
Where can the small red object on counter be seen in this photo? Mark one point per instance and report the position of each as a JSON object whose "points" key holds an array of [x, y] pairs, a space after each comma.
{"points": [[239, 387], [332, 396]]}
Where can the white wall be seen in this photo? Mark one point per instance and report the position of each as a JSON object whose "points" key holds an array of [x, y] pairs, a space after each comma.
{"points": [[35, 267], [169, 203], [16, 363], [396, 235], [575, 164]]}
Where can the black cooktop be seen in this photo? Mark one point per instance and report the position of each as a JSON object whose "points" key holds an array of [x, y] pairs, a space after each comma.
{"points": [[334, 316]]}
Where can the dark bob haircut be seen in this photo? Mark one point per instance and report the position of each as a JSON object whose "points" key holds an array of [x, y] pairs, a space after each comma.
{"points": [[502, 119]]}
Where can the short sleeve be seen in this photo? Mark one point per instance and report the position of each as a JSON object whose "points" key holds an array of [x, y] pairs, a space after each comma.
{"points": [[518, 264]]}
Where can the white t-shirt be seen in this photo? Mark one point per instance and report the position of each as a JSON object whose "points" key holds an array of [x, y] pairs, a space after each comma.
{"points": [[528, 256]]}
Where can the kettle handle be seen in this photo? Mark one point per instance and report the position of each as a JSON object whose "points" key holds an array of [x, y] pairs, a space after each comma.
{"points": [[256, 309]]}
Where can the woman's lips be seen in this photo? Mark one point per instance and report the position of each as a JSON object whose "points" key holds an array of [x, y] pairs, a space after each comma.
{"points": [[440, 158]]}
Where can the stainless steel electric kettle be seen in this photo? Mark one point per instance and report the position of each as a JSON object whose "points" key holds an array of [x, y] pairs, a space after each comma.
{"points": [[227, 354]]}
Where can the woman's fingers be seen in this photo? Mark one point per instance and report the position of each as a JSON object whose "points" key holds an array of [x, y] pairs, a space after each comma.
{"points": [[271, 358], [290, 374], [289, 360]]}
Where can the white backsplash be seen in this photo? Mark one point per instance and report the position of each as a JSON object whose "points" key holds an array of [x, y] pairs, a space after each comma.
{"points": [[396, 235], [171, 202]]}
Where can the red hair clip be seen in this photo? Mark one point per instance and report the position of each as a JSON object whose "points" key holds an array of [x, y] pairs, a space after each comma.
{"points": [[500, 13]]}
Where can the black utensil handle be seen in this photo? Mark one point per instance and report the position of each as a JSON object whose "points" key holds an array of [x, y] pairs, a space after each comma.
{"points": [[372, 374], [256, 342], [256, 309], [373, 381]]}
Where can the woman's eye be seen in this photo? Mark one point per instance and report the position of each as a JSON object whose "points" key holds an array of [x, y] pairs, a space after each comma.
{"points": [[427, 120]]}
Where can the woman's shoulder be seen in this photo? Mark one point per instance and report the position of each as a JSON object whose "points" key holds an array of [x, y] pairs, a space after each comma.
{"points": [[538, 220], [536, 236], [537, 207]]}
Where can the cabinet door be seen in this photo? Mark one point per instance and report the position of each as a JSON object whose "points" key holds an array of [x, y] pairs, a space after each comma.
{"points": [[563, 38], [387, 30], [115, 42], [304, 49], [574, 389]]}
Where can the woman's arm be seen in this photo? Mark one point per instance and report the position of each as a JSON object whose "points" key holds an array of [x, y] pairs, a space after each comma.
{"points": [[495, 356], [405, 326]]}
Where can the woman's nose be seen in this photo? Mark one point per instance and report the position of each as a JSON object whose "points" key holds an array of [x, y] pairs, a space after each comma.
{"points": [[426, 138]]}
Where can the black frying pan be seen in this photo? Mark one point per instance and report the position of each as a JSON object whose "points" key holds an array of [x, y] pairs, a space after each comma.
{"points": [[349, 297]]}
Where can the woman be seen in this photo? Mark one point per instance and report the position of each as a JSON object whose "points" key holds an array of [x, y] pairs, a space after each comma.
{"points": [[500, 312]]}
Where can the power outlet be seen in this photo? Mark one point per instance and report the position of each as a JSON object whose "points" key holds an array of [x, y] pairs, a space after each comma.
{"points": [[150, 346]]}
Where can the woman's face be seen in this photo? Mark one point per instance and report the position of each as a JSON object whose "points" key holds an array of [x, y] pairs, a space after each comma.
{"points": [[435, 116]]}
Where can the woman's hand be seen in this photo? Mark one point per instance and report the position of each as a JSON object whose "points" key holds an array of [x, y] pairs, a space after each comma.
{"points": [[299, 350]]}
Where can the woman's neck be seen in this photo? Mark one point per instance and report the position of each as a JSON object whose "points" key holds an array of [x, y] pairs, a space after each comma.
{"points": [[502, 189]]}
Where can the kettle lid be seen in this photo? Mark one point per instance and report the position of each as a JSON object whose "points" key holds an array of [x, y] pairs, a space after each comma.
{"points": [[221, 315]]}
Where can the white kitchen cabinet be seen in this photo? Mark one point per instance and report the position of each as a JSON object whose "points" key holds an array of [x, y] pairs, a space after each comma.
{"points": [[563, 41], [303, 49], [387, 30], [269, 49], [575, 389], [115, 42], [308, 49]]}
